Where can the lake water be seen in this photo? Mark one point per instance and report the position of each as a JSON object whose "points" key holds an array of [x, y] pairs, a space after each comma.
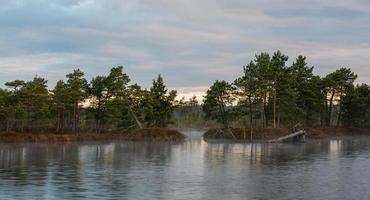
{"points": [[327, 169]]}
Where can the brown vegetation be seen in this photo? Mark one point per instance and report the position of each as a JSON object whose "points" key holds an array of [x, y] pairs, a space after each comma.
{"points": [[325, 132], [147, 134], [244, 134], [271, 133]]}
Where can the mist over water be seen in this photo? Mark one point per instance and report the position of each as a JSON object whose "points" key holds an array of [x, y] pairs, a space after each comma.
{"points": [[325, 169]]}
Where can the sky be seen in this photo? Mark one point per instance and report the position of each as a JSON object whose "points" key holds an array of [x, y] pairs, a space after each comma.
{"points": [[190, 43]]}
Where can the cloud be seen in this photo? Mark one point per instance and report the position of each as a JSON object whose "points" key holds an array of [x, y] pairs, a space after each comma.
{"points": [[190, 42]]}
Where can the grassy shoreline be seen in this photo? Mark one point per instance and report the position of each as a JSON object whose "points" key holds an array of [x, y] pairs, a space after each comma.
{"points": [[145, 134], [173, 135], [270, 133]]}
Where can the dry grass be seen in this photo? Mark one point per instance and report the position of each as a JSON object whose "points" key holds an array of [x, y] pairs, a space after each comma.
{"points": [[147, 134], [155, 134], [270, 133], [241, 133], [325, 132]]}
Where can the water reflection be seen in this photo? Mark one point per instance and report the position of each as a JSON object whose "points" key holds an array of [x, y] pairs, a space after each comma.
{"points": [[325, 169]]}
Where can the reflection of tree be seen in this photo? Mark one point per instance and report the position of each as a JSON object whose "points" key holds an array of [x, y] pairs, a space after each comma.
{"points": [[263, 153], [147, 170], [67, 171], [24, 165], [140, 167], [279, 154], [262, 170]]}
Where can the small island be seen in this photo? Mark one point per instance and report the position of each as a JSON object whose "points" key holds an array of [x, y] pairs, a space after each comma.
{"points": [[107, 108], [269, 134], [145, 134], [271, 99]]}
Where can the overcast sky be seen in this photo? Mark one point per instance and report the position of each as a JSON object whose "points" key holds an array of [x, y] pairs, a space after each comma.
{"points": [[190, 42]]}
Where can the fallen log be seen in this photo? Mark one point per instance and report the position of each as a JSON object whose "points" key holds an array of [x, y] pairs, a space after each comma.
{"points": [[298, 136]]}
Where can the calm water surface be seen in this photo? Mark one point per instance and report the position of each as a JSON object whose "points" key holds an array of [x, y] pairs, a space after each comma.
{"points": [[330, 169]]}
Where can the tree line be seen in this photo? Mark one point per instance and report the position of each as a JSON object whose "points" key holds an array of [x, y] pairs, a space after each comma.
{"points": [[270, 93], [107, 102]]}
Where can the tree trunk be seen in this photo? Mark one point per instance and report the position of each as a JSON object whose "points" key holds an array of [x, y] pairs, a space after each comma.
{"points": [[339, 115], [340, 109], [264, 120], [244, 133], [22, 126], [222, 116], [74, 117], [98, 126], [7, 125], [250, 118], [323, 111], [138, 123], [328, 123], [98, 116], [262, 123], [28, 113], [58, 120], [223, 112], [274, 112], [62, 122]]}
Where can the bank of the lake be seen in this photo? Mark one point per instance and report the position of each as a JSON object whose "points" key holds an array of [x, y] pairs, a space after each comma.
{"points": [[262, 134], [145, 134]]}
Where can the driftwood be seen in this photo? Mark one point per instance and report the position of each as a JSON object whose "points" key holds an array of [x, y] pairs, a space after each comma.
{"points": [[296, 136], [139, 124], [219, 131], [231, 132]]}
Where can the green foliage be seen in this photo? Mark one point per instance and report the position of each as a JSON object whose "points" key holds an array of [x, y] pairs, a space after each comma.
{"points": [[77, 90], [335, 86], [112, 104], [268, 93], [4, 108], [118, 108], [159, 104], [267, 88], [77, 85], [27, 105], [356, 107], [98, 93], [307, 86], [248, 90], [61, 104], [217, 102], [188, 113], [35, 97], [15, 84], [117, 82]]}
